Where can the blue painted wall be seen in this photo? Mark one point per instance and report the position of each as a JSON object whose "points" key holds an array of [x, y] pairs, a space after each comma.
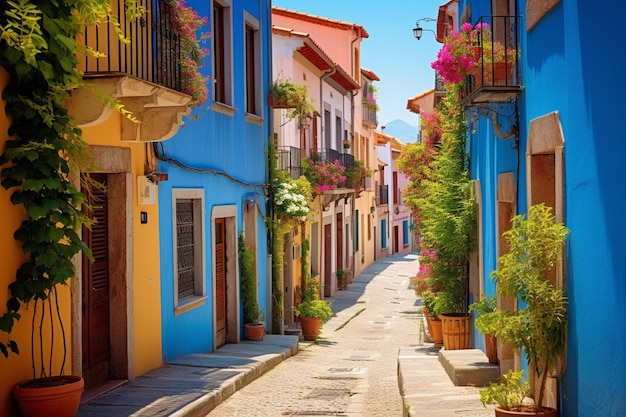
{"points": [[571, 62], [228, 154]]}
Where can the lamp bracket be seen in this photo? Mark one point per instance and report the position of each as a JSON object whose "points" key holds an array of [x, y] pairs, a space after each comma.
{"points": [[494, 112]]}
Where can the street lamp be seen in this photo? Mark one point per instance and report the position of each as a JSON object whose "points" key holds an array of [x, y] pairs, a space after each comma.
{"points": [[417, 30]]}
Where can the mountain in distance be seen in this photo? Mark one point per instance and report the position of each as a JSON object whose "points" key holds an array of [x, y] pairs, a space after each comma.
{"points": [[400, 130]]}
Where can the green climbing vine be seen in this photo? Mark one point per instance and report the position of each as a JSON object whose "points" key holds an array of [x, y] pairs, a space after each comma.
{"points": [[45, 152]]}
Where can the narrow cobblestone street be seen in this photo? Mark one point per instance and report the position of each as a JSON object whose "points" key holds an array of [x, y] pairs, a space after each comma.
{"points": [[352, 369]]}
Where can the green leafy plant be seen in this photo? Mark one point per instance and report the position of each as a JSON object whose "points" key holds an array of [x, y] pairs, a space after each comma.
{"points": [[446, 207], [46, 152], [539, 327], [314, 308], [249, 299], [295, 96], [508, 394], [356, 174], [370, 100], [484, 320]]}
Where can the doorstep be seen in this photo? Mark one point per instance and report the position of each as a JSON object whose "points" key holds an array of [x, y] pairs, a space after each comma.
{"points": [[469, 367]]}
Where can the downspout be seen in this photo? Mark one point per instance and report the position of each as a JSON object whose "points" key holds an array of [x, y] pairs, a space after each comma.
{"points": [[270, 124]]}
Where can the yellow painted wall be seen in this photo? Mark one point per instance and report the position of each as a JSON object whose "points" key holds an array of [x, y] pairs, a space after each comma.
{"points": [[145, 301]]}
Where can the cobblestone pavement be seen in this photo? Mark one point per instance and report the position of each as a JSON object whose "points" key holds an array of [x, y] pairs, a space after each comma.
{"points": [[352, 370]]}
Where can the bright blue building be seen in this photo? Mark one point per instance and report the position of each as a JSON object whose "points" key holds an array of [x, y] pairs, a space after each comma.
{"points": [[550, 132], [216, 170]]}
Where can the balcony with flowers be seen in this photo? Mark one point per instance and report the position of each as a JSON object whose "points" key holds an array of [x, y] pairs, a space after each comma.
{"points": [[335, 178], [153, 72], [485, 57]]}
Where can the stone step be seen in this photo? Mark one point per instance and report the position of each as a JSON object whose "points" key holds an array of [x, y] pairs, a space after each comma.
{"points": [[469, 367]]}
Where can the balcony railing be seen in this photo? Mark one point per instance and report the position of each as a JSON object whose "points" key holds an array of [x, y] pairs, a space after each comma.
{"points": [[289, 159], [153, 53], [382, 194], [496, 76], [369, 115]]}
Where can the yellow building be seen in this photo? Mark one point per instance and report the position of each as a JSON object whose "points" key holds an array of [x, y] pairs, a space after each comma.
{"points": [[111, 310]]}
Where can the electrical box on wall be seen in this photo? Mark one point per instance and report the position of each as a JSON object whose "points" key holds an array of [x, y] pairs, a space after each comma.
{"points": [[146, 191]]}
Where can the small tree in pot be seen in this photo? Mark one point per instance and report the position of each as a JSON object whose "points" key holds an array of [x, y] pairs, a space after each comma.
{"points": [[313, 311], [539, 327]]}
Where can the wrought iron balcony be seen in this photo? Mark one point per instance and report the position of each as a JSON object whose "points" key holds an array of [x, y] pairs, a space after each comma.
{"points": [[143, 75], [496, 77], [152, 54], [289, 159]]}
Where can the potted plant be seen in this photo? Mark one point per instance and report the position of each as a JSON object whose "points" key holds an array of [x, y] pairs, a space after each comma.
{"points": [[286, 94], [252, 315], [342, 277], [486, 323], [370, 100], [539, 326], [506, 395], [312, 311]]}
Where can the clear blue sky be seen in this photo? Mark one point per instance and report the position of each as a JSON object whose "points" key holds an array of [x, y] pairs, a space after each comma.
{"points": [[401, 61]]}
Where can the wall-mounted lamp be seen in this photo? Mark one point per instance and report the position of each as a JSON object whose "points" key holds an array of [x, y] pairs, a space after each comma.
{"points": [[417, 30], [397, 210]]}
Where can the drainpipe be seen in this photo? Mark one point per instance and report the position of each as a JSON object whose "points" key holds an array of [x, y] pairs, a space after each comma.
{"points": [[270, 124]]}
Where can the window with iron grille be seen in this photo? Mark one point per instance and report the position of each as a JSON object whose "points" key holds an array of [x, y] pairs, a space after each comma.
{"points": [[188, 245]]}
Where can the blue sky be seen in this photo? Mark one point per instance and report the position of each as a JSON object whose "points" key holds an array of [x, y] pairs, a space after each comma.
{"points": [[401, 61]]}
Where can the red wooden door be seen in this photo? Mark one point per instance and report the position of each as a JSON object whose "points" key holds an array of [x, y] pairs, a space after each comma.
{"points": [[327, 259], [220, 282], [95, 288]]}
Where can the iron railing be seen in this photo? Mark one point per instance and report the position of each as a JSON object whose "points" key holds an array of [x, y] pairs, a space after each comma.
{"points": [[153, 53], [289, 159], [382, 194], [496, 52]]}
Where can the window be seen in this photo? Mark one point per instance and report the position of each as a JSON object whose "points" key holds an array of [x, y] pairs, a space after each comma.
{"points": [[253, 64], [188, 235], [383, 234], [338, 136], [222, 56], [405, 233]]}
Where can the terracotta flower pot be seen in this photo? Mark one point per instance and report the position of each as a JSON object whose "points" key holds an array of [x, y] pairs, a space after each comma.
{"points": [[437, 332], [310, 327], [60, 400], [255, 332], [491, 348], [500, 412]]}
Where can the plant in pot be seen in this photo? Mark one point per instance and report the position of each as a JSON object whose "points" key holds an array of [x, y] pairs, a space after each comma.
{"points": [[539, 326], [253, 316], [284, 93], [486, 323], [342, 278], [508, 394], [313, 312]]}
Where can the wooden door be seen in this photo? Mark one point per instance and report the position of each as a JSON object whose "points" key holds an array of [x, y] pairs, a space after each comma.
{"points": [[95, 288], [220, 282], [339, 241], [327, 259]]}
